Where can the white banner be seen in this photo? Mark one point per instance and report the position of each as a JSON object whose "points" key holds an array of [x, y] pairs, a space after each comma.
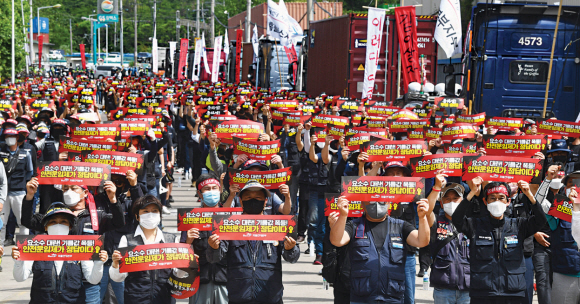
{"points": [[172, 47], [204, 54], [448, 29], [375, 25], [196, 60], [226, 44], [255, 43], [154, 57], [294, 28], [217, 52], [278, 27]]}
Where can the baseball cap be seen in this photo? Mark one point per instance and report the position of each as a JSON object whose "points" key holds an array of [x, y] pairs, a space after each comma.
{"points": [[254, 185], [58, 208], [255, 163], [397, 164], [459, 189], [21, 127], [10, 132], [559, 145]]}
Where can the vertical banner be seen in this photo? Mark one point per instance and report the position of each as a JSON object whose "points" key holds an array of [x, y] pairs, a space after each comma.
{"points": [[255, 43], [154, 57], [217, 52], [83, 59], [172, 47], [239, 35], [196, 60], [182, 56], [448, 29], [226, 44], [204, 54], [292, 58], [407, 31], [376, 21], [40, 42]]}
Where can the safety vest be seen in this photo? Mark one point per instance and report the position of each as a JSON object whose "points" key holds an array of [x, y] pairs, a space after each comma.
{"points": [[48, 287], [565, 255], [450, 268]]}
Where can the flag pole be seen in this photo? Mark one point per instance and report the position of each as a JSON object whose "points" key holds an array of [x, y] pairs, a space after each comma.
{"points": [[278, 59], [551, 60]]}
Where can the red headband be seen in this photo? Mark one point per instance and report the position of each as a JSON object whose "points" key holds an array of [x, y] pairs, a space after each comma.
{"points": [[498, 189], [210, 181]]}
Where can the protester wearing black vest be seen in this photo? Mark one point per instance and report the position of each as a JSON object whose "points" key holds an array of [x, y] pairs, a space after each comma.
{"points": [[376, 252], [213, 277], [149, 286], [254, 273], [497, 243], [58, 281], [18, 166]]}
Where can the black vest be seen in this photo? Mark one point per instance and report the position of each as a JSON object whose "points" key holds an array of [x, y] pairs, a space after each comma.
{"points": [[450, 268], [317, 173], [16, 179], [565, 254], [47, 287], [49, 152], [150, 286], [216, 273], [497, 272], [254, 274]]}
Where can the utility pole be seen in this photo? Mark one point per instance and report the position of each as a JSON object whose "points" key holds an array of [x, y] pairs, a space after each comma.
{"points": [[31, 53], [115, 36], [197, 35], [135, 51], [107, 40], [23, 26], [155, 19], [247, 28], [70, 30], [13, 53], [177, 26], [121, 11], [212, 24], [310, 12], [92, 41], [98, 43]]}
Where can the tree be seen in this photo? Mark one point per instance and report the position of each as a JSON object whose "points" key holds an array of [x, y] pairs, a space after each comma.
{"points": [[6, 39]]}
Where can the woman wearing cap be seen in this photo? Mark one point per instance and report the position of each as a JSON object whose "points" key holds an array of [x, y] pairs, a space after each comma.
{"points": [[213, 277], [65, 285], [254, 273], [148, 286], [497, 242]]}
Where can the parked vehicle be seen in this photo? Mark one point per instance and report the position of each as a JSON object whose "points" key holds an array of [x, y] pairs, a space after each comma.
{"points": [[55, 55]]}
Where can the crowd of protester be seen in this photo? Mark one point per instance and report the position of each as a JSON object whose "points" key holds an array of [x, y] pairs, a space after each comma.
{"points": [[479, 241]]}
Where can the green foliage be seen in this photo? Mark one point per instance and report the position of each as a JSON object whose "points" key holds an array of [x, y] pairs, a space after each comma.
{"points": [[6, 39]]}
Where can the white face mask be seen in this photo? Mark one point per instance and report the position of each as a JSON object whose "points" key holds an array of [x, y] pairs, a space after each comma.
{"points": [[568, 191], [449, 208], [58, 229], [496, 208], [11, 141], [71, 198], [149, 220]]}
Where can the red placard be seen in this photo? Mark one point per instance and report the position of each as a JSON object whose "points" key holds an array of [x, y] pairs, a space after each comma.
{"points": [[322, 120], [504, 123], [389, 150], [97, 131], [72, 173], [405, 114], [283, 104], [239, 34], [245, 129], [503, 169], [559, 127], [355, 209], [433, 133], [562, 208], [457, 131], [294, 120], [7, 104], [349, 105], [406, 26], [183, 46], [353, 142], [252, 227], [451, 103], [360, 130], [40, 44], [428, 165], [59, 247], [120, 162], [156, 256], [129, 128], [376, 122], [465, 147], [382, 110], [183, 288], [510, 145], [83, 58], [68, 144], [201, 218], [38, 104], [271, 179], [475, 119], [416, 133], [335, 131], [258, 150], [383, 188], [401, 125]]}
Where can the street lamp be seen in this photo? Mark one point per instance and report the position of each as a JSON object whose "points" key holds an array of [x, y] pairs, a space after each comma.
{"points": [[38, 21]]}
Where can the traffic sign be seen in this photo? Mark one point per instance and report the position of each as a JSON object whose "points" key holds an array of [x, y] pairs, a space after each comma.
{"points": [[108, 17]]}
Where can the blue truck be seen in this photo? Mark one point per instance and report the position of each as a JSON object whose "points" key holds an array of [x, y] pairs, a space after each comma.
{"points": [[507, 76]]}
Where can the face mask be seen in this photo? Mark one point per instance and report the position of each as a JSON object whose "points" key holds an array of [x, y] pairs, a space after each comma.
{"points": [[58, 229], [514, 189], [40, 135], [21, 137], [449, 208], [496, 208], [559, 159], [253, 206], [568, 191], [71, 198], [556, 184], [56, 133], [376, 210], [211, 198], [11, 141], [149, 220]]}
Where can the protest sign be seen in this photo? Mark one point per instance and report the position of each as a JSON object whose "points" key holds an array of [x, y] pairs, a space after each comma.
{"points": [[355, 208], [59, 247], [509, 145], [201, 218], [271, 179], [389, 150], [120, 162], [244, 129], [254, 227], [383, 188], [562, 208], [502, 169], [258, 150], [156, 256], [72, 173], [427, 166]]}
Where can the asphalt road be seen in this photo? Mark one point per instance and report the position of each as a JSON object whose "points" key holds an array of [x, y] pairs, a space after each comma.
{"points": [[302, 283]]}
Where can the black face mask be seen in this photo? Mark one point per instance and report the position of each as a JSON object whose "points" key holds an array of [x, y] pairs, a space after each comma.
{"points": [[56, 133], [558, 159], [21, 138], [253, 206]]}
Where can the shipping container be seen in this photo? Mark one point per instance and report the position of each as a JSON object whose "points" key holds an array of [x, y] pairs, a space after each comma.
{"points": [[336, 56]]}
